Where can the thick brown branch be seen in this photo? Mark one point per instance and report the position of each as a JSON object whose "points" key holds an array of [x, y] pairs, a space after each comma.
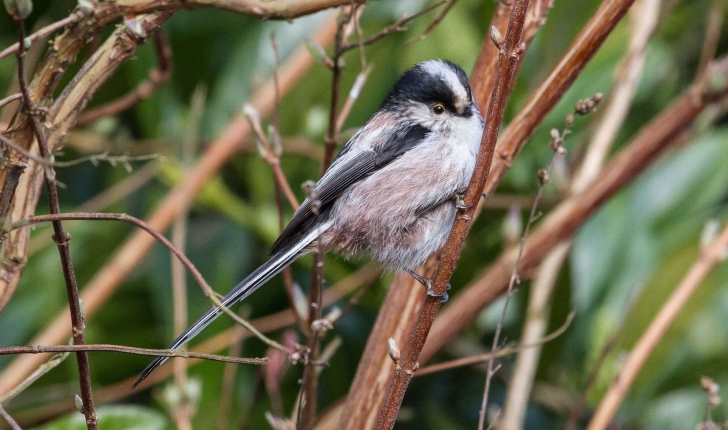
{"points": [[509, 54]]}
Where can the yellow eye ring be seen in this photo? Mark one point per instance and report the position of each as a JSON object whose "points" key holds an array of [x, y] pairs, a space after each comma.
{"points": [[438, 109]]}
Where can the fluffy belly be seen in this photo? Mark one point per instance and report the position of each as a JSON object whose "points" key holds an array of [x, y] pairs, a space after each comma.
{"points": [[397, 219]]}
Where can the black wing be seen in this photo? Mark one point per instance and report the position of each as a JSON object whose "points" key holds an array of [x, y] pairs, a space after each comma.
{"points": [[348, 168]]}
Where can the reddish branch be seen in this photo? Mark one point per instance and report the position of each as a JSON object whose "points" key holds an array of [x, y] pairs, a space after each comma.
{"points": [[509, 53]]}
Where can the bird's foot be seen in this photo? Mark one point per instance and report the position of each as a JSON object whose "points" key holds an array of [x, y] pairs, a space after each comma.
{"points": [[427, 282], [459, 198]]}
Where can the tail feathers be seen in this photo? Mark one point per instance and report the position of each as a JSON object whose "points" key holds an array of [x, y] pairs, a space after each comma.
{"points": [[247, 286]]}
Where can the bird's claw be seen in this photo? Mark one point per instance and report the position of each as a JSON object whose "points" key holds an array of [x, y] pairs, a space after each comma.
{"points": [[444, 297], [460, 202], [459, 198], [427, 282]]}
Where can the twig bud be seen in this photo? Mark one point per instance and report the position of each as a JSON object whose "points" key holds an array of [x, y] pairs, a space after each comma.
{"points": [[318, 53], [275, 140], [334, 314], [135, 27], [86, 7], [393, 350], [300, 302], [19, 9], [709, 233], [79, 403], [495, 36], [513, 225], [543, 176]]}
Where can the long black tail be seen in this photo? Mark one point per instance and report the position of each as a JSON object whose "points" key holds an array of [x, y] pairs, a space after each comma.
{"points": [[247, 286]]}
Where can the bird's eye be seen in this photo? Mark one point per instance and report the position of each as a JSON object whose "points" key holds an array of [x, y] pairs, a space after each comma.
{"points": [[438, 109]]}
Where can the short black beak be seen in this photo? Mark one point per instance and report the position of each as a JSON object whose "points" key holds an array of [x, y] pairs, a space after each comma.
{"points": [[467, 112]]}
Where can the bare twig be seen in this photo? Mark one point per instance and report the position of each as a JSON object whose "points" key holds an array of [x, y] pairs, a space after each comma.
{"points": [[134, 250], [44, 368], [43, 32], [583, 107], [206, 288], [440, 16], [40, 349], [6, 416], [95, 158], [143, 90], [500, 352], [394, 28], [710, 255], [10, 98], [61, 238], [510, 52], [267, 324], [271, 156]]}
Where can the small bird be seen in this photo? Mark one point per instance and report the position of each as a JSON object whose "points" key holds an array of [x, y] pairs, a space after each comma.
{"points": [[393, 190]]}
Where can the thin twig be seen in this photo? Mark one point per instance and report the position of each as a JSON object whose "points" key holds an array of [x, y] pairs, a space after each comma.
{"points": [[10, 98], [500, 352], [270, 155], [143, 90], [361, 79], [394, 28], [44, 368], [510, 51], [43, 32], [708, 258], [267, 324], [206, 288], [61, 238], [11, 422], [40, 349], [440, 16], [132, 252], [50, 161]]}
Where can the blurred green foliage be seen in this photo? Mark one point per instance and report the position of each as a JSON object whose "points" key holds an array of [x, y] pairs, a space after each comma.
{"points": [[638, 245]]}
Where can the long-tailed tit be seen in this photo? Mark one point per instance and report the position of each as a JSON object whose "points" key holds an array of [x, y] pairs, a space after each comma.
{"points": [[392, 192]]}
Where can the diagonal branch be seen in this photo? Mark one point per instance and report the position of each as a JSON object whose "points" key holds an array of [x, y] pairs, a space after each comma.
{"points": [[509, 53], [709, 257]]}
